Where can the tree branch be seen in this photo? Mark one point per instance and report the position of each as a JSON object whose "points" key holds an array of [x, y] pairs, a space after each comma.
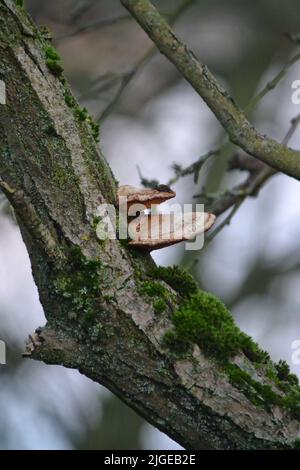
{"points": [[234, 121], [100, 297]]}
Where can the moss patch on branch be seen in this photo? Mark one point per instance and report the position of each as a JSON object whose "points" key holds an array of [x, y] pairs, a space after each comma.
{"points": [[177, 278], [54, 63], [53, 60], [204, 320], [158, 292], [83, 115], [264, 395], [81, 286]]}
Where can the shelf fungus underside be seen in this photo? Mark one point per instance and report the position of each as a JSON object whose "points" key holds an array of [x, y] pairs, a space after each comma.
{"points": [[152, 232]]}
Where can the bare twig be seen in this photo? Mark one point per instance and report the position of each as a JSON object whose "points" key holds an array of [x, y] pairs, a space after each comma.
{"points": [[125, 80], [225, 222], [80, 8], [98, 24], [251, 187], [140, 64], [230, 116], [246, 163], [193, 169], [272, 84], [294, 125]]}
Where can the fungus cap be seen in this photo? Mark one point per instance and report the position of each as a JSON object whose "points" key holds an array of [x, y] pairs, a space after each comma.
{"points": [[145, 196], [152, 232]]}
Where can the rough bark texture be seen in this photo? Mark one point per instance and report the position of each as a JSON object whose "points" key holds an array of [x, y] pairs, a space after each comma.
{"points": [[98, 321]]}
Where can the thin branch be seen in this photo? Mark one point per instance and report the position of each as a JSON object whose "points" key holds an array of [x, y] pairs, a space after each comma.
{"points": [[252, 187], [125, 80], [294, 125], [80, 8], [102, 83], [249, 164], [234, 121], [272, 84], [193, 169], [140, 64], [225, 222], [98, 24]]}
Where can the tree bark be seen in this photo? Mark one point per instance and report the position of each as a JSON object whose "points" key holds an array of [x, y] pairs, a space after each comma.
{"points": [[98, 320]]}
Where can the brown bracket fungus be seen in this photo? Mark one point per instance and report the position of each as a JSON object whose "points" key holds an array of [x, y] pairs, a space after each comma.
{"points": [[152, 232], [146, 196]]}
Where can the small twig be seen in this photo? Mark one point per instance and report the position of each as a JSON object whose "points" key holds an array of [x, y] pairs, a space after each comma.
{"points": [[80, 8], [140, 64], [98, 24], [125, 80], [294, 125], [250, 163], [225, 222], [251, 188], [272, 84], [243, 162], [193, 169], [102, 83]]}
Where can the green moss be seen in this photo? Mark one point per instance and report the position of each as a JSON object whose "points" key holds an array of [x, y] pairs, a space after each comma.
{"points": [[251, 350], [81, 285], [55, 67], [70, 100], [95, 128], [124, 242], [96, 221], [62, 79], [177, 278], [203, 319], [263, 394], [176, 344], [108, 298], [19, 3], [53, 60], [51, 53], [258, 393], [45, 32], [159, 305], [158, 292], [284, 373], [153, 289], [60, 177], [81, 113]]}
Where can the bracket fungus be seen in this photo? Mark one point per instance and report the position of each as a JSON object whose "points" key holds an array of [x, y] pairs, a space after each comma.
{"points": [[147, 196], [154, 231]]}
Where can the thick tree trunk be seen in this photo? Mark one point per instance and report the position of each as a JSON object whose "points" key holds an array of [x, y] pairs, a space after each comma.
{"points": [[98, 321]]}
